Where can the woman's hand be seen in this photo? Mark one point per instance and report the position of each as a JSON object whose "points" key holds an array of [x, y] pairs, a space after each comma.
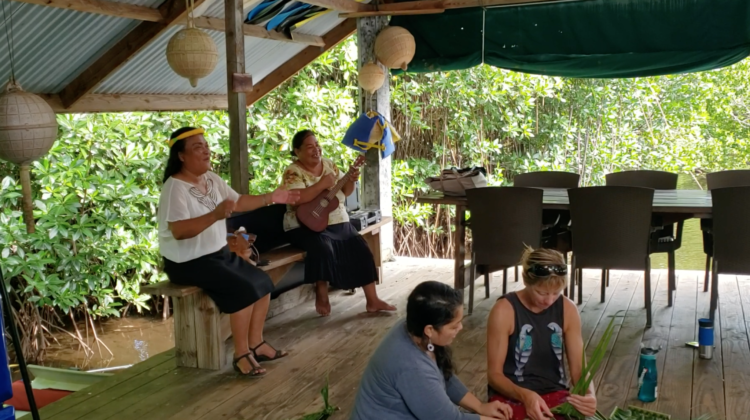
{"points": [[353, 175], [536, 408], [327, 181], [585, 405], [282, 196], [224, 209], [496, 410]]}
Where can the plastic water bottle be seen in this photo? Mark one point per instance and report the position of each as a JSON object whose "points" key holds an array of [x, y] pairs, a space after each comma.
{"points": [[647, 375]]}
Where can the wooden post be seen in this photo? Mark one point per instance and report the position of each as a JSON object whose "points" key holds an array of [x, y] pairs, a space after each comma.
{"points": [[235, 41], [376, 190]]}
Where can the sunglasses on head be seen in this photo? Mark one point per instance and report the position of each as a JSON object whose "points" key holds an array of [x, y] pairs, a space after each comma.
{"points": [[547, 270]]}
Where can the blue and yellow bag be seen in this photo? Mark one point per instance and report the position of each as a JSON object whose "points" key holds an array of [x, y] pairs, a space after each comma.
{"points": [[372, 130]]}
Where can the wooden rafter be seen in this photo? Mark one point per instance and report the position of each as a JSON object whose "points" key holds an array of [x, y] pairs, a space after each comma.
{"points": [[299, 61], [257, 31], [124, 50], [133, 103], [341, 5], [102, 7], [423, 7]]}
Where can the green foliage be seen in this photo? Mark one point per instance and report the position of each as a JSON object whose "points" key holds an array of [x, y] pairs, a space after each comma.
{"points": [[96, 193]]}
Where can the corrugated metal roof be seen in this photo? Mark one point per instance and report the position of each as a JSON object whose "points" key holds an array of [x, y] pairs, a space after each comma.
{"points": [[52, 46]]}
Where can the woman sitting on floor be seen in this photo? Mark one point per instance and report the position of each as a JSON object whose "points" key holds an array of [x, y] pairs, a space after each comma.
{"points": [[527, 334], [339, 254], [193, 241], [410, 375]]}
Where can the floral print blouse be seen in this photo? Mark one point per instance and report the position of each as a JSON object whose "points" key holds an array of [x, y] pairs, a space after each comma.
{"points": [[295, 177]]}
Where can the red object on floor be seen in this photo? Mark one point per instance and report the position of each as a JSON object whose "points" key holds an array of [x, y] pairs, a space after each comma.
{"points": [[42, 397], [552, 399]]}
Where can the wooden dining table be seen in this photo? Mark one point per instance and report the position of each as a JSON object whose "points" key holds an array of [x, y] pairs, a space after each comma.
{"points": [[674, 204]]}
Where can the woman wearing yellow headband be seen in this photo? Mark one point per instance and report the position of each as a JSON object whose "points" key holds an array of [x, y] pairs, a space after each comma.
{"points": [[338, 255], [192, 239]]}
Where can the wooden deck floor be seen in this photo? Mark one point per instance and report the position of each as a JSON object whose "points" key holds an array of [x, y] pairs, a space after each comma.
{"points": [[340, 345]]}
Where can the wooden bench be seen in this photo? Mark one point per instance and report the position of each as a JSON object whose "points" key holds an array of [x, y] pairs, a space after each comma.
{"points": [[201, 331]]}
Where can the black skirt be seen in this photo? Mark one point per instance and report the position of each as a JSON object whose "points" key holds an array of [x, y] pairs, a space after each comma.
{"points": [[338, 255], [230, 281]]}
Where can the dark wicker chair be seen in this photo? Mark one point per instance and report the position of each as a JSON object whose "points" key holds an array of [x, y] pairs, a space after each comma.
{"points": [[731, 228], [714, 180], [503, 221], [556, 234], [599, 214], [664, 239]]}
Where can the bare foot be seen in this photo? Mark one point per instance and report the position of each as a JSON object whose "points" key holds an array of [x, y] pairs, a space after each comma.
{"points": [[379, 306], [322, 304]]}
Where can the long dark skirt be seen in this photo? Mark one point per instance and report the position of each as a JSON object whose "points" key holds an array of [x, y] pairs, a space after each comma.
{"points": [[230, 281], [338, 255]]}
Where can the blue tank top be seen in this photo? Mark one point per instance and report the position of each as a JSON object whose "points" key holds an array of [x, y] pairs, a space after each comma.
{"points": [[534, 360]]}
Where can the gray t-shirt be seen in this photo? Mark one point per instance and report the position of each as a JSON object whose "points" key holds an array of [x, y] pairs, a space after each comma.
{"points": [[401, 382]]}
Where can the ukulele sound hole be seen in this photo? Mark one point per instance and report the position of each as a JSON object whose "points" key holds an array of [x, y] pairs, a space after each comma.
{"points": [[324, 203]]}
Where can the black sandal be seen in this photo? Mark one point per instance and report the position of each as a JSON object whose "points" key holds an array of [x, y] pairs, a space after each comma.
{"points": [[256, 372], [263, 358]]}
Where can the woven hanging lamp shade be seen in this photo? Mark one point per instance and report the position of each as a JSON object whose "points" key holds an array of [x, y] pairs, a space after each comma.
{"points": [[28, 129], [192, 54], [28, 126], [394, 47], [371, 77]]}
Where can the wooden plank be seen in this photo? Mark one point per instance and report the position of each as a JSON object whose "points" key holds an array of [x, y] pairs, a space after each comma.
{"points": [[132, 377], [623, 361], [235, 44], [310, 340], [299, 61], [184, 331], [257, 31], [658, 335], [122, 51], [102, 400], [100, 7], [341, 5], [384, 221], [135, 103], [707, 375], [678, 363], [393, 13], [616, 303], [735, 349], [209, 343], [281, 256], [167, 288]]}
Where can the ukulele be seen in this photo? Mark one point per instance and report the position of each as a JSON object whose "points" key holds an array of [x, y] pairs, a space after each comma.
{"points": [[314, 214]]}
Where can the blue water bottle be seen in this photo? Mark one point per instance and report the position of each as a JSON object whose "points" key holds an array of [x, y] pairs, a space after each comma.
{"points": [[647, 375], [705, 338]]}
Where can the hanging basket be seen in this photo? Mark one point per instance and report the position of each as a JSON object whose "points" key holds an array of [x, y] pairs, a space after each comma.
{"points": [[371, 77], [192, 54], [394, 47], [28, 126]]}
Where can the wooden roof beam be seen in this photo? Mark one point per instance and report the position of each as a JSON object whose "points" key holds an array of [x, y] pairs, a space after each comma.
{"points": [[341, 5], [102, 7], [257, 31], [96, 102], [425, 7], [112, 60], [299, 61]]}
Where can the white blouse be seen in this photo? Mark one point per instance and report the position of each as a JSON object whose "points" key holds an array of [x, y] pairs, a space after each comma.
{"points": [[181, 200]]}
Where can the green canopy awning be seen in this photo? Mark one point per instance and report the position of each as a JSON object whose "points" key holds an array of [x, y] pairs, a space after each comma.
{"points": [[593, 38]]}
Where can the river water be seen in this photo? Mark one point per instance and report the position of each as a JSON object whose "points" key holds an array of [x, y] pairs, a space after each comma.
{"points": [[136, 338]]}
